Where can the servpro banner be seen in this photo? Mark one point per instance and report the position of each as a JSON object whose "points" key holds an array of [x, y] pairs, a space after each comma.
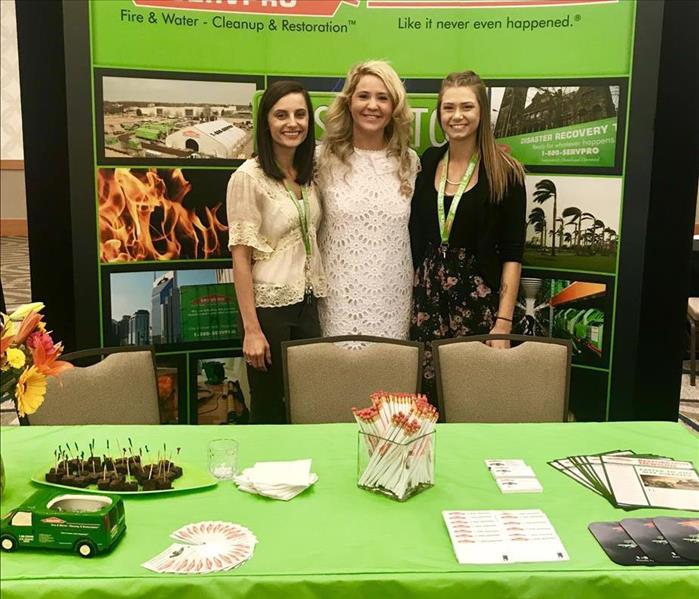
{"points": [[176, 85], [501, 39]]}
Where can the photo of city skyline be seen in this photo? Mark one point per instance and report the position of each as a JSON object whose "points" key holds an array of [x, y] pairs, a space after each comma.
{"points": [[173, 306]]}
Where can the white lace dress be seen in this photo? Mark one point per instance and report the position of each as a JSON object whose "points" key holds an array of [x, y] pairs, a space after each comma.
{"points": [[365, 246]]}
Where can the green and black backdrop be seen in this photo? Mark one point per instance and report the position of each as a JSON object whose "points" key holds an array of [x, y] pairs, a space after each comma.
{"points": [[161, 101]]}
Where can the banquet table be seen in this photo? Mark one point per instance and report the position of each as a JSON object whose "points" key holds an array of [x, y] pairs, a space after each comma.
{"points": [[336, 540]]}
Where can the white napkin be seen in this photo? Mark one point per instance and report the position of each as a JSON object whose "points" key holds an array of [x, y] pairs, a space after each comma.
{"points": [[279, 480]]}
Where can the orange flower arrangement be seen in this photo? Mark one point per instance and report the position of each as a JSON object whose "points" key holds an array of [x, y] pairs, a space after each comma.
{"points": [[28, 355]]}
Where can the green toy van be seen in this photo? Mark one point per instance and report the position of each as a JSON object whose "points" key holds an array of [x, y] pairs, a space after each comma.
{"points": [[87, 524]]}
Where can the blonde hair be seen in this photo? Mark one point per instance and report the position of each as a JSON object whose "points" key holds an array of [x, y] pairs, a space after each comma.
{"points": [[337, 141], [501, 168]]}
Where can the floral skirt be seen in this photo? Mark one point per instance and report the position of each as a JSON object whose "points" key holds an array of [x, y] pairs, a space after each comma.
{"points": [[450, 299]]}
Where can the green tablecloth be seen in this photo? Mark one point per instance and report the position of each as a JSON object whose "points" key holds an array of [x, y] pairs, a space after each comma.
{"points": [[338, 541]]}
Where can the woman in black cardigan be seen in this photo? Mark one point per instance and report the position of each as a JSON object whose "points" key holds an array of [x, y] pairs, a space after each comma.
{"points": [[467, 226]]}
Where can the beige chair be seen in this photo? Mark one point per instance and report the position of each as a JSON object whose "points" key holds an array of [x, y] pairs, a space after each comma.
{"points": [[325, 378], [526, 383], [120, 389]]}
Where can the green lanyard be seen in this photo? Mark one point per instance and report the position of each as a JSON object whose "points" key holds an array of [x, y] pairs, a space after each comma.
{"points": [[304, 211], [446, 225]]}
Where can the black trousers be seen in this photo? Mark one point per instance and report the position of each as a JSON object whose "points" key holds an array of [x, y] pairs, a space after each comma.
{"points": [[297, 321]]}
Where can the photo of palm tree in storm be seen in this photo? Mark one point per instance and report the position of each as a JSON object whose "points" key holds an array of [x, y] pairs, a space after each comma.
{"points": [[573, 222]]}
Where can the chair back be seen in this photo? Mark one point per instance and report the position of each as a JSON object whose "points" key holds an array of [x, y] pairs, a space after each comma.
{"points": [[325, 378], [526, 383], [120, 389]]}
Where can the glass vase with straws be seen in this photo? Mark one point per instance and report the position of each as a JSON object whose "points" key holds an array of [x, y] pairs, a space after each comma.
{"points": [[396, 444]]}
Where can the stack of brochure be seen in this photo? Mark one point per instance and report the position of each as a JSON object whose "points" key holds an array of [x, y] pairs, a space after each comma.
{"points": [[649, 541], [503, 537], [514, 476], [630, 481]]}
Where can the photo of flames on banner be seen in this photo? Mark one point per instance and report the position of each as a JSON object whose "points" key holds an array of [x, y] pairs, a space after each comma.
{"points": [[149, 214], [328, 8]]}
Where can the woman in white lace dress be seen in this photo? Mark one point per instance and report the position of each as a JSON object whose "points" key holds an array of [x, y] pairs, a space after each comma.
{"points": [[366, 174]]}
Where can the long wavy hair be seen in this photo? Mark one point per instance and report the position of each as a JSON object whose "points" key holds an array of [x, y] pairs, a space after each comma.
{"points": [[337, 141], [501, 168]]}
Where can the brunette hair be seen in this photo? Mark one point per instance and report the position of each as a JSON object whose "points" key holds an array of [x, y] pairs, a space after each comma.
{"points": [[337, 141], [303, 157], [501, 168]]}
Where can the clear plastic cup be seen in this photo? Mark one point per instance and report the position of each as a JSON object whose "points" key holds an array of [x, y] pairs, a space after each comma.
{"points": [[223, 458]]}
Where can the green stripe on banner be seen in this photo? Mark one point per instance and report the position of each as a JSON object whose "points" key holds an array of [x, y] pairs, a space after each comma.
{"points": [[586, 144], [249, 37]]}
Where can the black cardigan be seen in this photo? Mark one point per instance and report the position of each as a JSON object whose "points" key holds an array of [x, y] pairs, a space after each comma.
{"points": [[493, 233]]}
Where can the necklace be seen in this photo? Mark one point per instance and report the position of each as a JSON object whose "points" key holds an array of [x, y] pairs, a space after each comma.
{"points": [[448, 179]]}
